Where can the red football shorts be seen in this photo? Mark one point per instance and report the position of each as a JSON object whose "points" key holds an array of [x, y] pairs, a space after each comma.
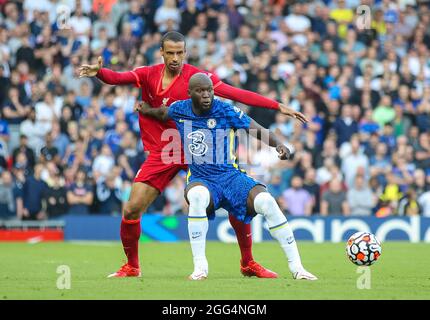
{"points": [[156, 173]]}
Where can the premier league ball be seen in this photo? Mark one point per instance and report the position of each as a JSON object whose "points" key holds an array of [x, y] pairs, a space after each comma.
{"points": [[363, 249]]}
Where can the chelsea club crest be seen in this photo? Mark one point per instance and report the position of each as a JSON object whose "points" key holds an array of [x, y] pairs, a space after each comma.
{"points": [[211, 123]]}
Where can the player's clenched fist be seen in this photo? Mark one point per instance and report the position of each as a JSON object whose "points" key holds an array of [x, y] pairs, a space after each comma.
{"points": [[284, 152], [90, 70]]}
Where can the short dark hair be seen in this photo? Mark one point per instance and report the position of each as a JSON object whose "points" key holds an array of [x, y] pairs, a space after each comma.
{"points": [[172, 36]]}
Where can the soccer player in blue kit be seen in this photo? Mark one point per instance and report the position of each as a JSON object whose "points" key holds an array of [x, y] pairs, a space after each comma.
{"points": [[207, 127]]}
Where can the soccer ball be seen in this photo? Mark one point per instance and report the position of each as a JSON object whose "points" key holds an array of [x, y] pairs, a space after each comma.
{"points": [[363, 249]]}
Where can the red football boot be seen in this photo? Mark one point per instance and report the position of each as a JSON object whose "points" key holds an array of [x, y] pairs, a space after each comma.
{"points": [[126, 271], [255, 269]]}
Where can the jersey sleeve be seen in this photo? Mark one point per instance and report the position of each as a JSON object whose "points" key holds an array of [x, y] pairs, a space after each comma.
{"points": [[214, 78], [235, 117], [141, 76], [137, 76], [249, 98], [216, 82]]}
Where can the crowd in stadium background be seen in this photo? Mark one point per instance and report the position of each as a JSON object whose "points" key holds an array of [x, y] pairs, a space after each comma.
{"points": [[71, 145]]}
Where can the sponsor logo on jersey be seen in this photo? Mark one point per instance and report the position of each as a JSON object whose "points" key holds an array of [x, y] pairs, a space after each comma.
{"points": [[197, 147]]}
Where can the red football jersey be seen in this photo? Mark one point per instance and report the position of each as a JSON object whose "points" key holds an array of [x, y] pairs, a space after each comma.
{"points": [[149, 78]]}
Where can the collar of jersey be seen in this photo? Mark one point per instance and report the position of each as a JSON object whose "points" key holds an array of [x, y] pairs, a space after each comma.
{"points": [[160, 82]]}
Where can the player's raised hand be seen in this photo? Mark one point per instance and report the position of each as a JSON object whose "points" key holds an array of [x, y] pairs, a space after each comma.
{"points": [[292, 113], [284, 152], [90, 70]]}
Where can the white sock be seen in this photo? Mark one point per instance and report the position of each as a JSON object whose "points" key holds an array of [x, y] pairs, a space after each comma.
{"points": [[279, 228], [198, 225], [197, 230]]}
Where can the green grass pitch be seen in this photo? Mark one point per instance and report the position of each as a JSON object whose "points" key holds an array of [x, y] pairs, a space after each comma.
{"points": [[29, 271]]}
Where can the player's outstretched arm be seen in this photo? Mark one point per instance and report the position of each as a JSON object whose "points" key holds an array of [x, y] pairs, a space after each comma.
{"points": [[254, 99], [256, 130], [145, 109], [106, 75]]}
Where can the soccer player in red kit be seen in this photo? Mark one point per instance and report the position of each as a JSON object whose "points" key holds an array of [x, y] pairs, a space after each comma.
{"points": [[163, 84]]}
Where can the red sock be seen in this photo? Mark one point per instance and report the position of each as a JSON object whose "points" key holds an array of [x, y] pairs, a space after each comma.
{"points": [[130, 234], [244, 238]]}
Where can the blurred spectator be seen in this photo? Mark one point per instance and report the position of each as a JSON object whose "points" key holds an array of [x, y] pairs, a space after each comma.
{"points": [[235, 18], [316, 123], [298, 23], [104, 162], [80, 195], [424, 202], [345, 126], [59, 139], [104, 23], [296, 200], [56, 197], [384, 112], [76, 158], [329, 151], [32, 193], [310, 185], [390, 196], [7, 201], [113, 137], [422, 151], [108, 110], [275, 185], [387, 136], [130, 158], [408, 205], [360, 198], [167, 17], [174, 196], [342, 15], [47, 110], [49, 152], [109, 193], [328, 172], [81, 25], [283, 124], [354, 161], [188, 16], [367, 124], [24, 148], [334, 201], [380, 162], [134, 18], [35, 131], [14, 112], [420, 184]]}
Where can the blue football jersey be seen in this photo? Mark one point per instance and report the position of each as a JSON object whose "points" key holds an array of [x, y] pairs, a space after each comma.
{"points": [[209, 140]]}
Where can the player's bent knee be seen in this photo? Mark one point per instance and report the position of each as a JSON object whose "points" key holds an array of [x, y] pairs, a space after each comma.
{"points": [[263, 202], [132, 211], [267, 206], [199, 199]]}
